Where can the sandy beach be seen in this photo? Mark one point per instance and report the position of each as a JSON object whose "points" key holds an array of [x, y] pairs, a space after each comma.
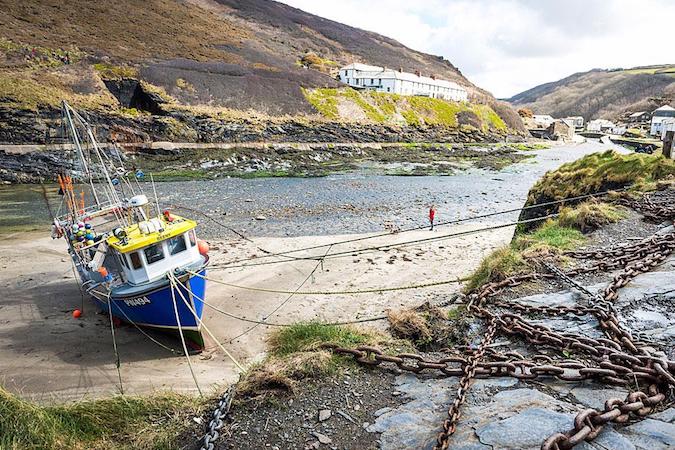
{"points": [[46, 355]]}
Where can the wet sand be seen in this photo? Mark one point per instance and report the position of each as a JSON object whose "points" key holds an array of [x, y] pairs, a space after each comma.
{"points": [[48, 356]]}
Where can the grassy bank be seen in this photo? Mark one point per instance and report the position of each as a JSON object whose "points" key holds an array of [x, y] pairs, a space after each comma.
{"points": [[121, 422], [378, 107], [554, 236], [600, 172]]}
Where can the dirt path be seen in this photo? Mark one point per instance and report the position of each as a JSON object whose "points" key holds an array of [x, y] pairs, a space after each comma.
{"points": [[46, 355]]}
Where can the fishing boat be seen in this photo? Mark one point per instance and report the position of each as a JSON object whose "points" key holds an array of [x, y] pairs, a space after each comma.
{"points": [[141, 264]]}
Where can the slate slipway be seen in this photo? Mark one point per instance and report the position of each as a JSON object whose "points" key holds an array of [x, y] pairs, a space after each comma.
{"points": [[506, 413]]}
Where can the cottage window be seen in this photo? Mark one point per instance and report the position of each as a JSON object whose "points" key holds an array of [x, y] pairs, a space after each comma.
{"points": [[176, 244], [379, 81], [388, 89], [154, 253], [372, 81], [135, 260]]}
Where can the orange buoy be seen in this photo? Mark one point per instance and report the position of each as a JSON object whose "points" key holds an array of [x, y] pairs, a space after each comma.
{"points": [[77, 314], [203, 247]]}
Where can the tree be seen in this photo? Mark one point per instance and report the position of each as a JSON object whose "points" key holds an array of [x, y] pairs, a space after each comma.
{"points": [[525, 112]]}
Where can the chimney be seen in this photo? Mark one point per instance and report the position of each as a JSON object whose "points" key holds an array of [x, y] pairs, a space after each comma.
{"points": [[418, 73], [400, 69]]}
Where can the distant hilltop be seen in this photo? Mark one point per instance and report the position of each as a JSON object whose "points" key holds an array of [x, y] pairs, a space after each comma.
{"points": [[600, 93], [257, 58]]}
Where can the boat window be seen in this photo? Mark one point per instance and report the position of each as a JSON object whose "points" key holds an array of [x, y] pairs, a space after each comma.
{"points": [[124, 261], [193, 238], [176, 244], [154, 253], [135, 260]]}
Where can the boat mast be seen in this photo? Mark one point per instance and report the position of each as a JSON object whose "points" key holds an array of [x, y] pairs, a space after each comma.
{"points": [[78, 146]]}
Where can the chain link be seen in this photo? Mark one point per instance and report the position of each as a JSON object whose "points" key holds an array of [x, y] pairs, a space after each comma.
{"points": [[216, 423]]}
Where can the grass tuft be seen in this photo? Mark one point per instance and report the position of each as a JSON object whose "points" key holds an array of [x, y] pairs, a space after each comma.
{"points": [[429, 328], [107, 423], [308, 335], [591, 215]]}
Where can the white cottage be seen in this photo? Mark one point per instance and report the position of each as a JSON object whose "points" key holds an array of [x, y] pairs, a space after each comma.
{"points": [[658, 116], [381, 79]]}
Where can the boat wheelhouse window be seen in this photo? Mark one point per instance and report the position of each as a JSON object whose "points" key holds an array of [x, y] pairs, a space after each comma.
{"points": [[193, 238], [125, 263], [154, 253], [135, 260], [176, 244]]}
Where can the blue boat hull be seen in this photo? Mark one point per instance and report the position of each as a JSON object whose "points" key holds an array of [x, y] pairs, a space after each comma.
{"points": [[155, 307]]}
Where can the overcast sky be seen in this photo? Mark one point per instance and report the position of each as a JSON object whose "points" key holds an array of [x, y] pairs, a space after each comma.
{"points": [[508, 46]]}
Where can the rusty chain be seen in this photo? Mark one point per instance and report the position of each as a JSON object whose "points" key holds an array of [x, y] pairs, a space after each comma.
{"points": [[618, 359]]}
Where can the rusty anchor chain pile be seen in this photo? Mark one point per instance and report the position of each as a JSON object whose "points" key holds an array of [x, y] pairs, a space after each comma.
{"points": [[619, 358], [654, 209]]}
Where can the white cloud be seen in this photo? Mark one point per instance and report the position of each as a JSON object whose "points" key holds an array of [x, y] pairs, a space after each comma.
{"points": [[507, 46]]}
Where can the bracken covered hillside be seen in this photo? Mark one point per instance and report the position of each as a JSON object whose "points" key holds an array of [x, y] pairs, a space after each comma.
{"points": [[602, 93], [199, 55]]}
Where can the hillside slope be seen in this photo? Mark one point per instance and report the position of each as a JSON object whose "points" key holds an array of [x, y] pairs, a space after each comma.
{"points": [[602, 93], [199, 55]]}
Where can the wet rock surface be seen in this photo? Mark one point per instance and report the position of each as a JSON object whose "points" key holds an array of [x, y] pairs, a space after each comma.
{"points": [[506, 413]]}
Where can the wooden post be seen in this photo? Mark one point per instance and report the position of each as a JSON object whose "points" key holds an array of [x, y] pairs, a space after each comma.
{"points": [[668, 144]]}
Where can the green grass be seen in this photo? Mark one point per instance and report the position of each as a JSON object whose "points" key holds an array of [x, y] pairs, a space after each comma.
{"points": [[591, 215], [27, 89], [551, 235], [599, 172], [515, 258], [307, 335], [380, 107], [153, 422], [110, 71], [528, 146], [325, 101]]}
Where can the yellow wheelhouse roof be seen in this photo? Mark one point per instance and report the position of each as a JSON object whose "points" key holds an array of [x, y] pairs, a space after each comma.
{"points": [[135, 239]]}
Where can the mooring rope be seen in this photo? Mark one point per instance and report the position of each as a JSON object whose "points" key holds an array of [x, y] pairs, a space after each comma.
{"points": [[117, 355], [180, 332], [281, 305], [345, 292], [391, 246], [201, 322], [421, 227]]}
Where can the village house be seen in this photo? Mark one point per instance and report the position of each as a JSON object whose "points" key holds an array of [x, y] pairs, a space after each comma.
{"points": [[382, 79], [561, 129], [600, 126], [542, 120], [658, 116], [639, 117], [577, 122]]}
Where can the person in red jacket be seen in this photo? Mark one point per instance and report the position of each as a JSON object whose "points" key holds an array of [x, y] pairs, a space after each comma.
{"points": [[432, 214]]}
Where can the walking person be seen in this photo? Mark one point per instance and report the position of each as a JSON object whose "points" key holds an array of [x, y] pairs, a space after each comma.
{"points": [[432, 215]]}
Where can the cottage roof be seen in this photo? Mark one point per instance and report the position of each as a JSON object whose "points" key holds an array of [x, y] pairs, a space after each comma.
{"points": [[665, 108], [638, 114]]}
